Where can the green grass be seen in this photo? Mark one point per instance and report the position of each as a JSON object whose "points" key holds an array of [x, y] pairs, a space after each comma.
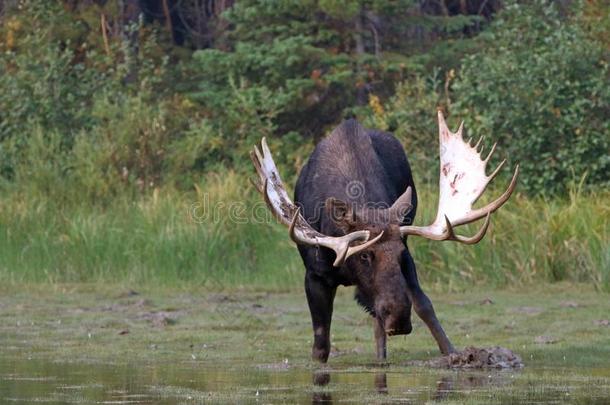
{"points": [[156, 239], [529, 240]]}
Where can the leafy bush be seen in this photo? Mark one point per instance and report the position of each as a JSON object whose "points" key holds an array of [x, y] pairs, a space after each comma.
{"points": [[541, 88], [80, 126], [42, 85], [410, 114]]}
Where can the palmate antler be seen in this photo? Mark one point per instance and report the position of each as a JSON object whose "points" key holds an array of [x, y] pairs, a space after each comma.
{"points": [[462, 181], [282, 207]]}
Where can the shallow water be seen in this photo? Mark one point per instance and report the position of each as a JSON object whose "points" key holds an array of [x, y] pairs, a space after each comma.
{"points": [[87, 346], [25, 380]]}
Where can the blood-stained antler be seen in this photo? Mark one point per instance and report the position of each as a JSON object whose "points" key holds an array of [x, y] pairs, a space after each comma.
{"points": [[462, 181], [282, 207]]}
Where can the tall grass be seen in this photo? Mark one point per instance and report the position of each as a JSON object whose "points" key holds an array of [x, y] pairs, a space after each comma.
{"points": [[165, 238], [203, 237], [529, 240]]}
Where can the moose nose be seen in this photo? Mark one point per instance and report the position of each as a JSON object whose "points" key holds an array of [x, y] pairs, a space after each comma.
{"points": [[398, 326], [403, 330]]}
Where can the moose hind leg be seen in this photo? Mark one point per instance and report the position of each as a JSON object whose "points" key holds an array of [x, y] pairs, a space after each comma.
{"points": [[423, 306], [320, 297]]}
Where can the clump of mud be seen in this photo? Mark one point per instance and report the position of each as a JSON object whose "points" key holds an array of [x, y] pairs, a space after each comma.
{"points": [[474, 357]]}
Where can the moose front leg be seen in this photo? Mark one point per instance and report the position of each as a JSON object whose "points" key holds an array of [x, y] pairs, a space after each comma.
{"points": [[380, 339], [320, 298], [423, 306]]}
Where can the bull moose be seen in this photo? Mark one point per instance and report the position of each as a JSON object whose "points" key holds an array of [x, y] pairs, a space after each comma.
{"points": [[355, 201]]}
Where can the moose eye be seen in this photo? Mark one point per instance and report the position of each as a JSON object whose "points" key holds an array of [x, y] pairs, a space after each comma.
{"points": [[366, 257]]}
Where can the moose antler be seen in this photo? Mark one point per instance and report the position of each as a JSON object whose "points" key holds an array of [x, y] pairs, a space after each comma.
{"points": [[282, 207], [462, 181]]}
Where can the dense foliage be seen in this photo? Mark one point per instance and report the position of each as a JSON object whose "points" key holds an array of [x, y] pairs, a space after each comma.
{"points": [[542, 90], [126, 109], [106, 104]]}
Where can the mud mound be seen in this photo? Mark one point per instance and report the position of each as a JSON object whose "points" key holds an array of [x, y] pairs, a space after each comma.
{"points": [[474, 357]]}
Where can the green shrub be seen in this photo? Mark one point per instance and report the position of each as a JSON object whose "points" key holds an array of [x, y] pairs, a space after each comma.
{"points": [[42, 86], [410, 114], [83, 127], [541, 88]]}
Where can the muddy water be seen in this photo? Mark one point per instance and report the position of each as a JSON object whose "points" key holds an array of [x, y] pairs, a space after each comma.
{"points": [[25, 380]]}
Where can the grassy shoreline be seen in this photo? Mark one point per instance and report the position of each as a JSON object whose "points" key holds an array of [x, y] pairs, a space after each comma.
{"points": [[77, 342], [88, 320], [209, 238]]}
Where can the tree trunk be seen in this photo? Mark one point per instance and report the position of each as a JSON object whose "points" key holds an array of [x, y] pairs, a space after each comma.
{"points": [[130, 19], [361, 93]]}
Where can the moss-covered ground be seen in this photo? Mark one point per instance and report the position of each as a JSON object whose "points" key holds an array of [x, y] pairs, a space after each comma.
{"points": [[89, 343]]}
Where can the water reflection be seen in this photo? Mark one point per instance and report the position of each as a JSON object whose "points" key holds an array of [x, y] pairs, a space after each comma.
{"points": [[450, 382], [381, 383], [27, 380], [321, 379], [444, 387]]}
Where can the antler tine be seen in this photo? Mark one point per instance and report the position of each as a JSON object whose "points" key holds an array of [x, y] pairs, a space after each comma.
{"points": [[442, 125], [355, 249], [474, 239], [497, 170], [448, 234], [293, 223], [493, 149], [266, 151], [259, 156], [460, 129], [476, 146]]}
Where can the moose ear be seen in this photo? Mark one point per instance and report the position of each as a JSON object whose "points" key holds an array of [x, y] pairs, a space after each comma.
{"points": [[340, 212], [402, 206]]}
